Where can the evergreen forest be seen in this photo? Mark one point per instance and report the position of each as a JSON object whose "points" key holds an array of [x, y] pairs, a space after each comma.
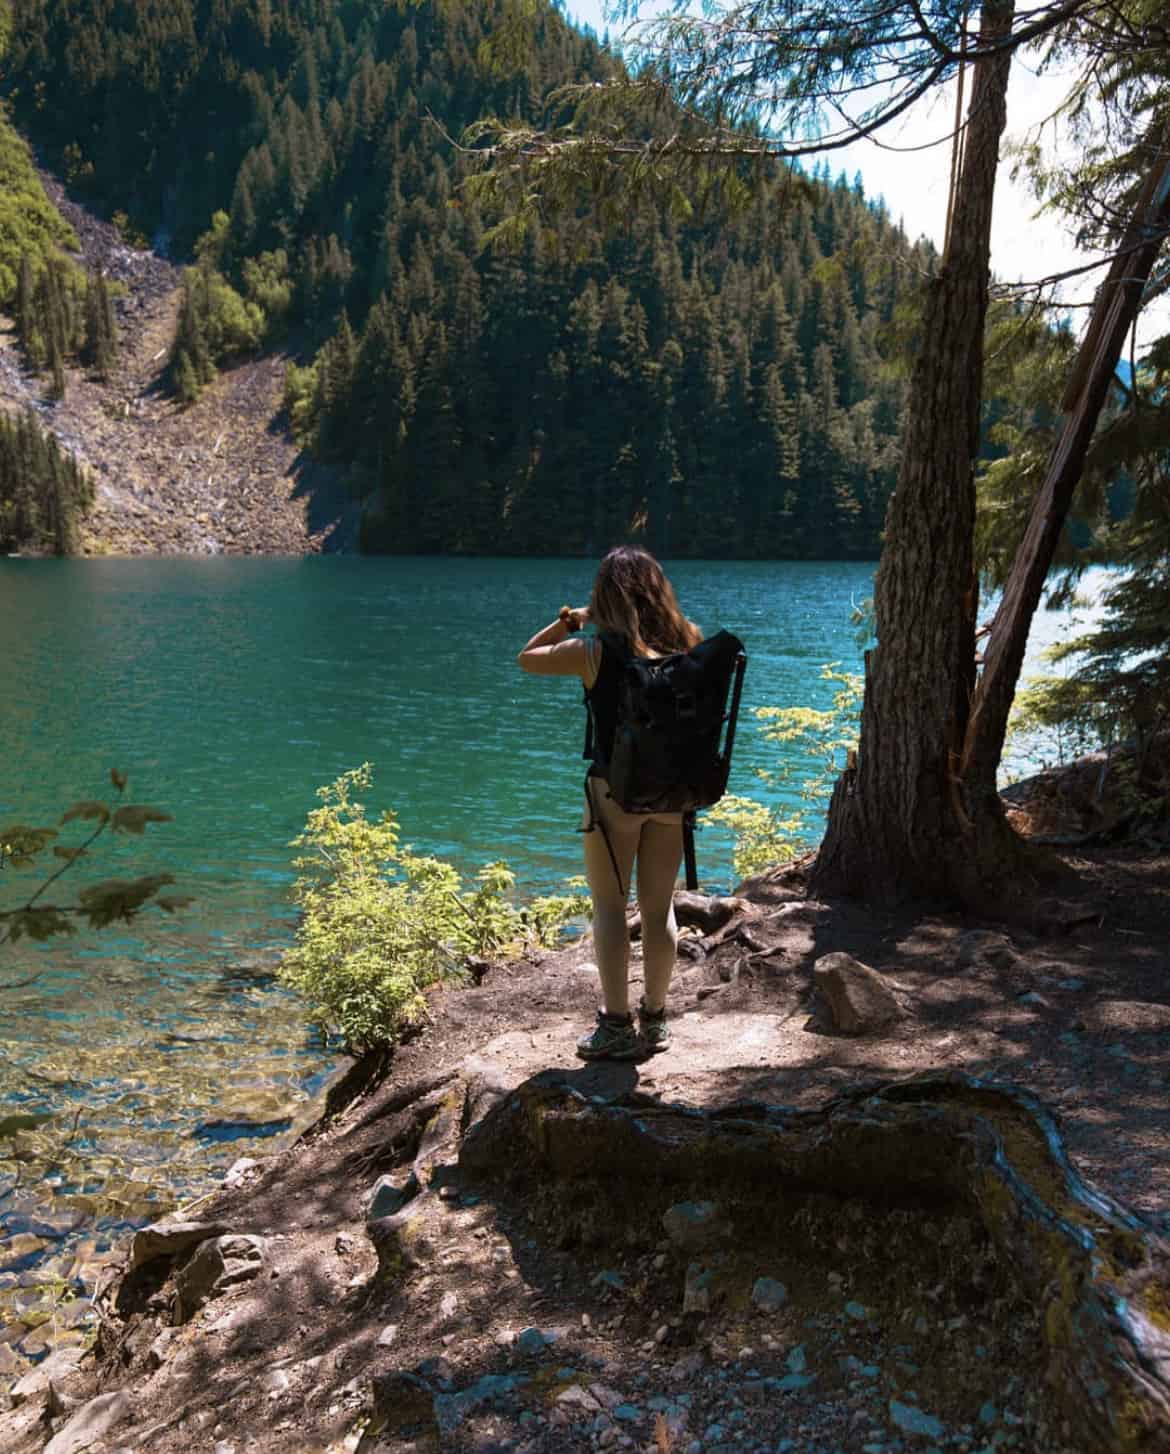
{"points": [[708, 386], [43, 491]]}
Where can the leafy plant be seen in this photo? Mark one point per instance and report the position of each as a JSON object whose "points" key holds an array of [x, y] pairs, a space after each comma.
{"points": [[381, 923], [114, 900], [816, 743]]}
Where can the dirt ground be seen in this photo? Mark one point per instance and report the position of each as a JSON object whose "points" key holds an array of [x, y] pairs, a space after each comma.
{"points": [[880, 1345]]}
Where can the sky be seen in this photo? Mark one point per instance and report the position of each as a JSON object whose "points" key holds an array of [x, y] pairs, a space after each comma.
{"points": [[1026, 244]]}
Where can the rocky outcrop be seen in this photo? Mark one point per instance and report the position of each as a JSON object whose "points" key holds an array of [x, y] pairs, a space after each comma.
{"points": [[170, 1239], [86, 1428], [216, 1265]]}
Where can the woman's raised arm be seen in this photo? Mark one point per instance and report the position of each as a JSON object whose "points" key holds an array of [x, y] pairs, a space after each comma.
{"points": [[555, 651]]}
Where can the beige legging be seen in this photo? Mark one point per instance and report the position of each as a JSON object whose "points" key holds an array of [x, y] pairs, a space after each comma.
{"points": [[655, 842]]}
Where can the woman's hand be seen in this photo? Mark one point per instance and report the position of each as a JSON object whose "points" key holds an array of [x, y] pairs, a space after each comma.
{"points": [[575, 617]]}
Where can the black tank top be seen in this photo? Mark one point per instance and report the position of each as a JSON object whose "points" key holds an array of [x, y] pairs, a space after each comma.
{"points": [[601, 703]]}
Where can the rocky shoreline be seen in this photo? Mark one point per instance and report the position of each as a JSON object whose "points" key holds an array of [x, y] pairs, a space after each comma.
{"points": [[383, 1286]]}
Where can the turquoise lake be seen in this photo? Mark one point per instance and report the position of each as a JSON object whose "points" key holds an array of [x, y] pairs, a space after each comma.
{"points": [[230, 689]]}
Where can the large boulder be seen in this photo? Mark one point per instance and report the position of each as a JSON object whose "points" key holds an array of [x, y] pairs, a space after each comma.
{"points": [[218, 1263], [857, 999]]}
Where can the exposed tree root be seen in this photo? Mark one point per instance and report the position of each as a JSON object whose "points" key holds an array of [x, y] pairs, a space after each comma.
{"points": [[1098, 1276]]}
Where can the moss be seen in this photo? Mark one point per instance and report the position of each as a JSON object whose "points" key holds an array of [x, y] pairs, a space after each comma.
{"points": [[1157, 1305], [548, 1385]]}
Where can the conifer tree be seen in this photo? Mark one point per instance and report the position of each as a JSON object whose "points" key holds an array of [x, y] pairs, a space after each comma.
{"points": [[99, 348], [43, 491], [28, 315]]}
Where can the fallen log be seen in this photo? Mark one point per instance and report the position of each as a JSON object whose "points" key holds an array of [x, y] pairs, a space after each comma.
{"points": [[706, 912], [1097, 1275]]}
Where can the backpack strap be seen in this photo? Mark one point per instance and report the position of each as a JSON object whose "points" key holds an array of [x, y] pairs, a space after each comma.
{"points": [[689, 850], [595, 822], [620, 651]]}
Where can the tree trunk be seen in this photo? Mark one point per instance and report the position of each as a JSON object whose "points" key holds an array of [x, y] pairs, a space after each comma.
{"points": [[897, 827], [1116, 306]]}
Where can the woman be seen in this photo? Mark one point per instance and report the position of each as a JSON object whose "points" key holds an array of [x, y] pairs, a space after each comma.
{"points": [[631, 600]]}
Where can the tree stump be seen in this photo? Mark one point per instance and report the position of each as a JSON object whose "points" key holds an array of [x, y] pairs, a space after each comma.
{"points": [[1098, 1275]]}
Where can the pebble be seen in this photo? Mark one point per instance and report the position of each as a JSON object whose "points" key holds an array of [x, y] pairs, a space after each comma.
{"points": [[794, 1382], [608, 1278], [913, 1420], [693, 1225], [769, 1295], [532, 1340]]}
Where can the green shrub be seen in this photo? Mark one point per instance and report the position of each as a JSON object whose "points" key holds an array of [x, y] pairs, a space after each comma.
{"points": [[818, 742], [300, 401], [381, 923], [268, 286], [763, 836], [29, 223]]}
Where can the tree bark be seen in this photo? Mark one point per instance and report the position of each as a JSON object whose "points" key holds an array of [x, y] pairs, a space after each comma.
{"points": [[1116, 306], [897, 826]]}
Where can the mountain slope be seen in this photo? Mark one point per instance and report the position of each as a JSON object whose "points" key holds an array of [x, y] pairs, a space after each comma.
{"points": [[222, 476], [711, 386]]}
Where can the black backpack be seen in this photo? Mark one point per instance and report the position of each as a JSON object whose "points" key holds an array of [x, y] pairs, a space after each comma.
{"points": [[671, 752]]}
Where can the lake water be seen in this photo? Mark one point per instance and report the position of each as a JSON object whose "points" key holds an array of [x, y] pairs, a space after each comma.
{"points": [[228, 690]]}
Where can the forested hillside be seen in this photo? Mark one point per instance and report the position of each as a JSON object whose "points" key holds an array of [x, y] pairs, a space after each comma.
{"points": [[711, 387], [43, 492]]}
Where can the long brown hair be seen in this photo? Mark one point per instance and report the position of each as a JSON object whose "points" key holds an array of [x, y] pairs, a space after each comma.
{"points": [[632, 598]]}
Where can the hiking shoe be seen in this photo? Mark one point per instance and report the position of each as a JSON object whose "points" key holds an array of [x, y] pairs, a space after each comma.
{"points": [[613, 1038], [654, 1030]]}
